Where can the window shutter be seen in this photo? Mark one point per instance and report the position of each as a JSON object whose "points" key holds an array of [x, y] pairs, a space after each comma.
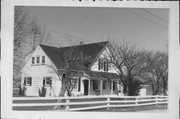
{"points": [[99, 63], [44, 81], [50, 81], [30, 80], [79, 84], [24, 80], [104, 66]]}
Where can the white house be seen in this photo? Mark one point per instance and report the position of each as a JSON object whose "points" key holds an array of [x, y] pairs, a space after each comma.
{"points": [[100, 75]]}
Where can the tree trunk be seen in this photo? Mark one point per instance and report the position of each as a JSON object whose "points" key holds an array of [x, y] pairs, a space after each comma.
{"points": [[61, 94], [164, 87]]}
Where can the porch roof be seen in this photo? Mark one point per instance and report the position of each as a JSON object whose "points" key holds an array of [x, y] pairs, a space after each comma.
{"points": [[102, 75]]}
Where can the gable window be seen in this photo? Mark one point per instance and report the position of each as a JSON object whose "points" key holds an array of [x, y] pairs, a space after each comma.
{"points": [[104, 84], [47, 81], [103, 64], [37, 59], [106, 65], [27, 81], [95, 84], [43, 59], [100, 64], [33, 60]]}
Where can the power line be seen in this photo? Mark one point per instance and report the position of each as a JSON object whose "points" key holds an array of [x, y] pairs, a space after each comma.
{"points": [[154, 15], [141, 16], [66, 34]]}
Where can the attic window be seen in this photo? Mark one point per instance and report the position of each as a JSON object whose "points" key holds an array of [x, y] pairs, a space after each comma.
{"points": [[37, 59], [43, 59], [103, 64], [33, 58]]}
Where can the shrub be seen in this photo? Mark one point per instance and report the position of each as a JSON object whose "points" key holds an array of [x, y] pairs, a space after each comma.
{"points": [[42, 92], [22, 90], [134, 87]]}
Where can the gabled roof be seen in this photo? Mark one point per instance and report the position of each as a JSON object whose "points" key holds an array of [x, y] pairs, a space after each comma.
{"points": [[87, 52]]}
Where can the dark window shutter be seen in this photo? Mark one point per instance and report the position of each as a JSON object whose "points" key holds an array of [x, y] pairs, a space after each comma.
{"points": [[50, 81], [99, 63], [24, 80], [79, 84], [44, 81], [107, 65], [30, 78], [104, 66]]}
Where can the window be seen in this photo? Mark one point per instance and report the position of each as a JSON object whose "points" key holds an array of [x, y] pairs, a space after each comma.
{"points": [[27, 81], [104, 84], [37, 59], [103, 64], [114, 86], [106, 65], [47, 81], [74, 83], [95, 84], [33, 58], [100, 64], [43, 59]]}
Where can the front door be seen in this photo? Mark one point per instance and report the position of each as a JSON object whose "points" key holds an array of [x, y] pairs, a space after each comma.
{"points": [[86, 84]]}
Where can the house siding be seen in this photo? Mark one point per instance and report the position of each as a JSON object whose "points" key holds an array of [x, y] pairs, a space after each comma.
{"points": [[37, 72], [105, 54]]}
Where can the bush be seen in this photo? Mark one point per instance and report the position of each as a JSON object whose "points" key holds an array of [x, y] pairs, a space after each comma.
{"points": [[134, 87], [42, 92], [22, 90]]}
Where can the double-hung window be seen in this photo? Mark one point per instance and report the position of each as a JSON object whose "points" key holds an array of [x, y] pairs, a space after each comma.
{"points": [[43, 59], [37, 59], [33, 60], [47, 81], [27, 81]]}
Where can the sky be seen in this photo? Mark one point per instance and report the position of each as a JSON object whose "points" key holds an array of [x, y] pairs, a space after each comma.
{"points": [[146, 28]]}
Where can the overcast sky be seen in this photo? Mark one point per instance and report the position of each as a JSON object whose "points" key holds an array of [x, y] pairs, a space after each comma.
{"points": [[147, 28]]}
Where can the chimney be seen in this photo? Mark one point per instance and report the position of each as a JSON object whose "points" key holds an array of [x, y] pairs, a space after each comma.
{"points": [[81, 43]]}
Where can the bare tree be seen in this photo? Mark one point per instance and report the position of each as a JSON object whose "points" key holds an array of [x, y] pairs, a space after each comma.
{"points": [[156, 71], [27, 32], [127, 58]]}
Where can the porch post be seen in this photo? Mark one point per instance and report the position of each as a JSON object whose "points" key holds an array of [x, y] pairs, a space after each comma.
{"points": [[100, 87], [89, 87], [111, 87]]}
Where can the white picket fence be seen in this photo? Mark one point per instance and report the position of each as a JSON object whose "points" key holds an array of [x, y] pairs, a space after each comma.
{"points": [[85, 102]]}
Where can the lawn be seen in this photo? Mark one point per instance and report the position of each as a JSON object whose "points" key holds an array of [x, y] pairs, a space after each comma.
{"points": [[136, 109]]}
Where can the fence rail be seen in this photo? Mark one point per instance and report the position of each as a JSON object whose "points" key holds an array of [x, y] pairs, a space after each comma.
{"points": [[85, 102]]}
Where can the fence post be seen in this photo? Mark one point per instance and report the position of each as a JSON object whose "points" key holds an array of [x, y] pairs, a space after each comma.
{"points": [[108, 102], [67, 103], [136, 102], [156, 99]]}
